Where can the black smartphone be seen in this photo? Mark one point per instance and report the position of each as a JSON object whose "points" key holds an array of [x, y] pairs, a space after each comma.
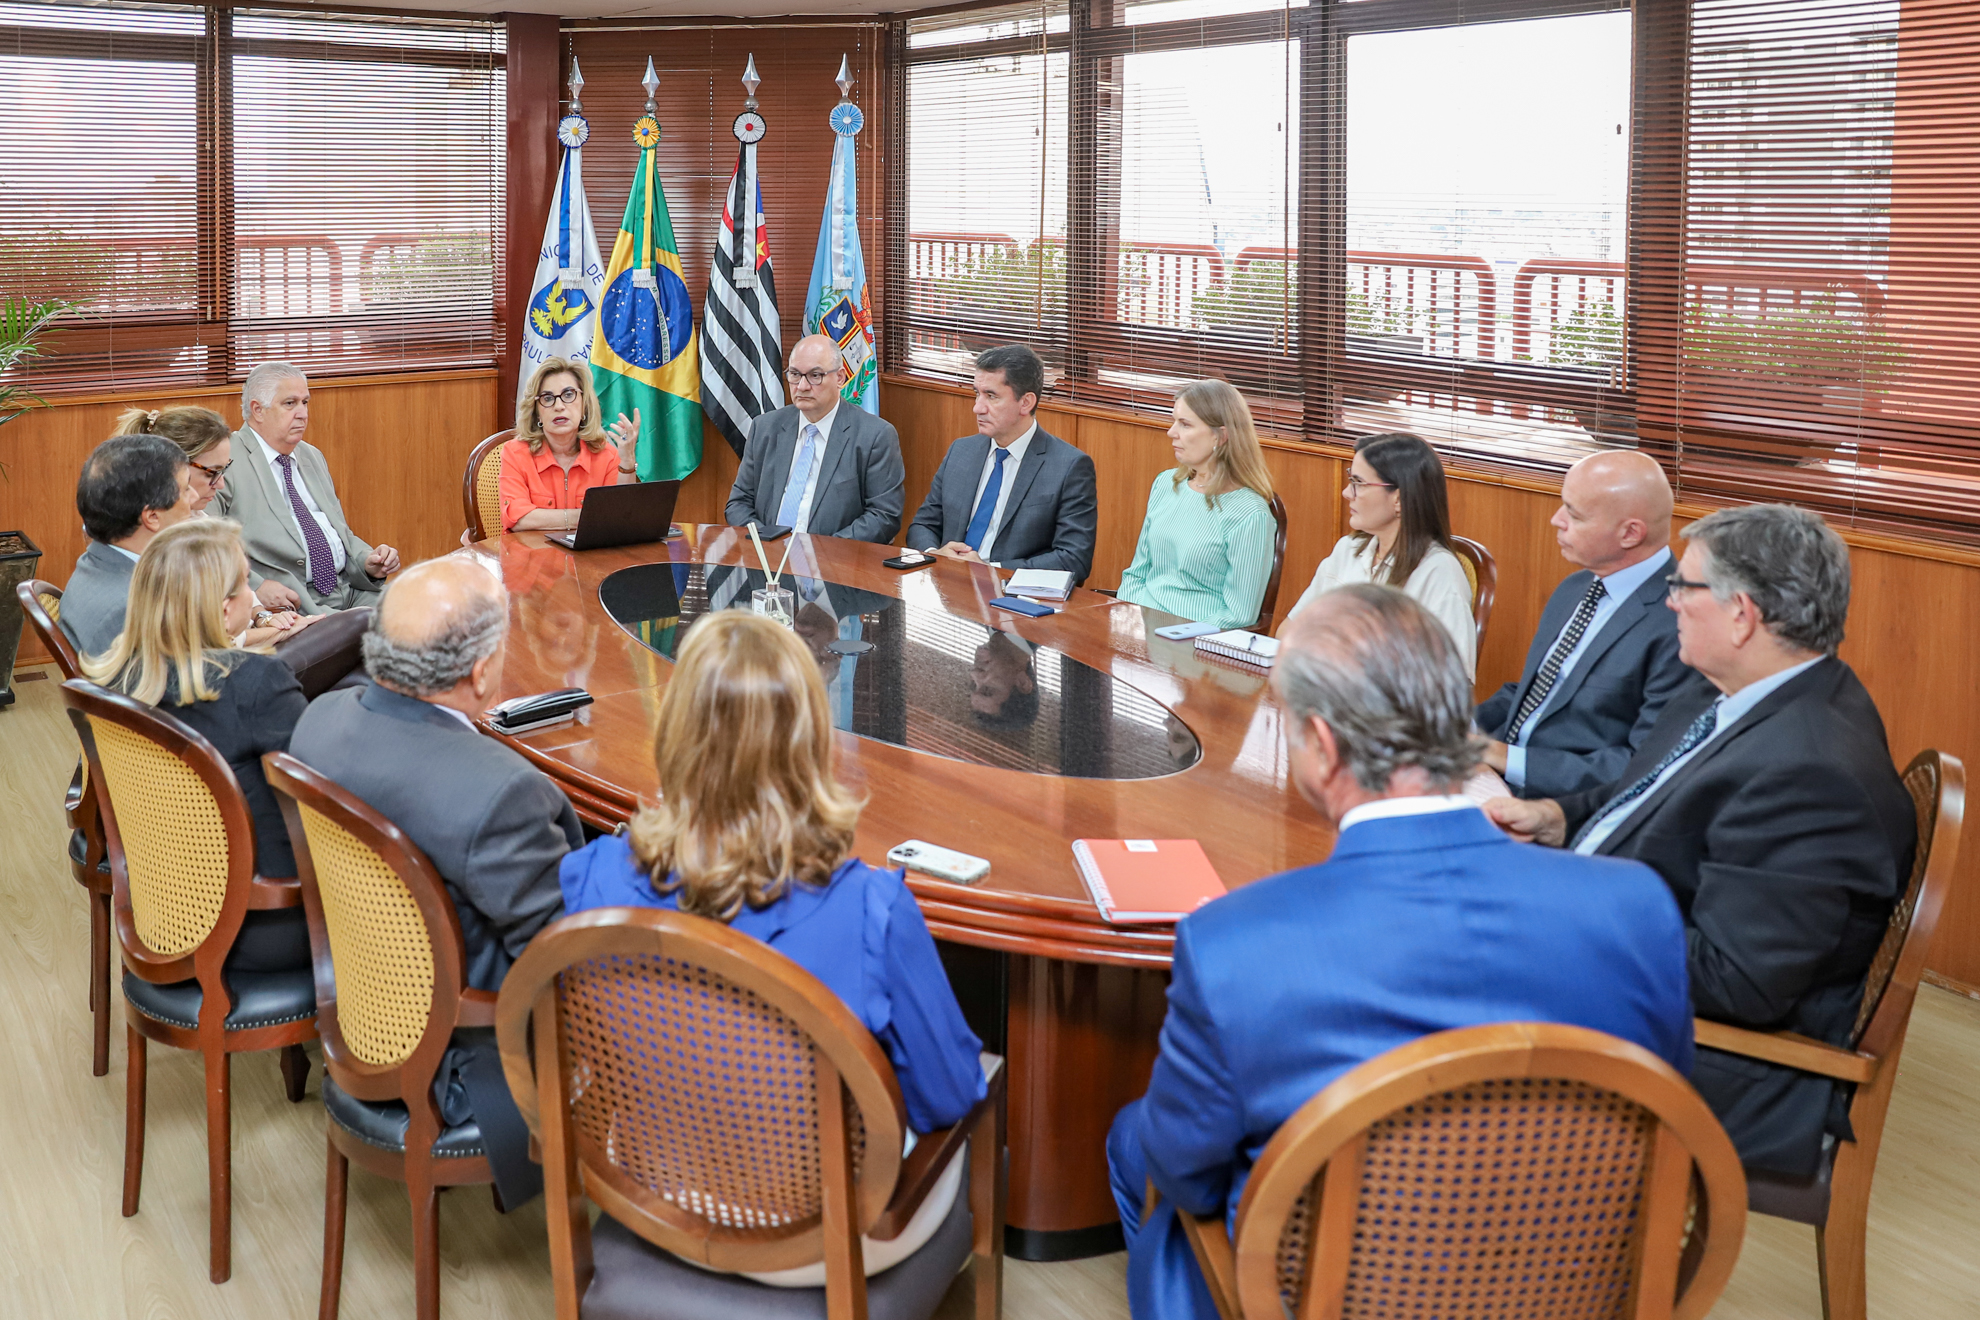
{"points": [[771, 531], [910, 559]]}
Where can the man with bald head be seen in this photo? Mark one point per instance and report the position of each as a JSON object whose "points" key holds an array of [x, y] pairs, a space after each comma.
{"points": [[493, 825], [817, 465], [1604, 661]]}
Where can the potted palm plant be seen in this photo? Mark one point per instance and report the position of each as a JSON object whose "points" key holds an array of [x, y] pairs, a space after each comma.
{"points": [[21, 320]]}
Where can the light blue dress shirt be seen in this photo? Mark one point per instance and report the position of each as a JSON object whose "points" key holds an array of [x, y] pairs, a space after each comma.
{"points": [[1620, 586], [1730, 710]]}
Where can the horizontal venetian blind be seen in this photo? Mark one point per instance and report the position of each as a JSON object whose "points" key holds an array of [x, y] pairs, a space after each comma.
{"points": [[1826, 346], [984, 202], [99, 188], [366, 188]]}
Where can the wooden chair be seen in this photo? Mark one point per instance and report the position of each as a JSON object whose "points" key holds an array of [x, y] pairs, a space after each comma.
{"points": [[1514, 1169], [1268, 608], [1483, 572], [619, 1031], [390, 990], [181, 847], [481, 488], [89, 860], [1837, 1201]]}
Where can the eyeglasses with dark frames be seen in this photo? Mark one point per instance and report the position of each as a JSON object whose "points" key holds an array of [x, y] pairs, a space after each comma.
{"points": [[1358, 485], [817, 378], [1677, 584], [212, 474], [569, 394]]}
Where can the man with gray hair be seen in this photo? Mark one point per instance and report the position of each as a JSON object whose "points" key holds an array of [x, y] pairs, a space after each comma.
{"points": [[1771, 808], [494, 826], [301, 551], [1425, 919]]}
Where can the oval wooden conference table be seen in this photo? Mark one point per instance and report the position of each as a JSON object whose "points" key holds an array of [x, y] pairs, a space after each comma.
{"points": [[971, 728]]}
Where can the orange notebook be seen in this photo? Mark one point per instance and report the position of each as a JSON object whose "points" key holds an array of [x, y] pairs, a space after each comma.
{"points": [[1134, 880]]}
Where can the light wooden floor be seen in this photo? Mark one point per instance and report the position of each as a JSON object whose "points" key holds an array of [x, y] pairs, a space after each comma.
{"points": [[67, 1253]]}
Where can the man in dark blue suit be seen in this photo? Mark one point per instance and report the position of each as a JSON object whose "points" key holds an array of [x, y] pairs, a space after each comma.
{"points": [[1012, 494], [1423, 920], [1604, 660]]}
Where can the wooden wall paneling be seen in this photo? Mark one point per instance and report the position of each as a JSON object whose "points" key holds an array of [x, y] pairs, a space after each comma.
{"points": [[1512, 523], [928, 421], [1316, 516], [1127, 457], [705, 493]]}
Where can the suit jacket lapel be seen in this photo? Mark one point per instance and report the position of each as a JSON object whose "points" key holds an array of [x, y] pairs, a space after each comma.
{"points": [[777, 465], [1554, 618], [836, 445], [1645, 598], [1034, 458], [261, 463], [957, 513]]}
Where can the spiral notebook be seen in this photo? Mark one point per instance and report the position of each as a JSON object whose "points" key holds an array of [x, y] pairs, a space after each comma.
{"points": [[1146, 880]]}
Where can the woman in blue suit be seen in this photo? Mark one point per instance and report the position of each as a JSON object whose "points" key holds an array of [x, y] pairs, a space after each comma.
{"points": [[754, 831]]}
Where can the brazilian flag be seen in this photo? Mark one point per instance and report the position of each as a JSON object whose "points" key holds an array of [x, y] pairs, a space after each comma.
{"points": [[645, 355]]}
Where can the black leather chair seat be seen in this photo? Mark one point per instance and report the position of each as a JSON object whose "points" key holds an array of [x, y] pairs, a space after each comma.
{"points": [[1806, 1201], [79, 852], [635, 1280], [261, 999], [383, 1123]]}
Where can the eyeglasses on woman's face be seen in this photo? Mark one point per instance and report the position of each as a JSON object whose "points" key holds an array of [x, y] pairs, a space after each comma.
{"points": [[1357, 485], [569, 394], [812, 378], [213, 474]]}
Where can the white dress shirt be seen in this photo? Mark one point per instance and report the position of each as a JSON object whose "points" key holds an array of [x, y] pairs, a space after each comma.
{"points": [[1620, 586], [330, 532], [1390, 808], [459, 715], [824, 425], [123, 551], [1730, 710], [1016, 451]]}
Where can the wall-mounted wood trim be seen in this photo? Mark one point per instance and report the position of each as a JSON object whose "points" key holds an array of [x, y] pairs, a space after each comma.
{"points": [[535, 105]]}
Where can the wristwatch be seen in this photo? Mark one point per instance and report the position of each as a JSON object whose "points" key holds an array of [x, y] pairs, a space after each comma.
{"points": [[261, 618]]}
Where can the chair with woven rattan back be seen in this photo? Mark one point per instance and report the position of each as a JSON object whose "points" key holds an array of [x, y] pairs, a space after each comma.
{"points": [[390, 990], [721, 1104], [1482, 571], [89, 861], [1521, 1168], [481, 488], [1837, 1200], [181, 846]]}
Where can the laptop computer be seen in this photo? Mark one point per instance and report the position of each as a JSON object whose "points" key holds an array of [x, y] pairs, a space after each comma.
{"points": [[630, 514]]}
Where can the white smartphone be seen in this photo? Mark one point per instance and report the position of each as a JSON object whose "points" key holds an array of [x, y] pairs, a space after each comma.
{"points": [[1182, 632], [942, 863]]}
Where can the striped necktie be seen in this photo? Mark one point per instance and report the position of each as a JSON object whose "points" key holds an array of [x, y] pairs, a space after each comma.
{"points": [[1550, 672], [1701, 729]]}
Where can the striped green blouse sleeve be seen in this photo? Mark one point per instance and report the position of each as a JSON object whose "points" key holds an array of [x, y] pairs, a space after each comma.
{"points": [[1248, 533]]}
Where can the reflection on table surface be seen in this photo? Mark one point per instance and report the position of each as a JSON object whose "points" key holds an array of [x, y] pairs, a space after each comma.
{"points": [[907, 672]]}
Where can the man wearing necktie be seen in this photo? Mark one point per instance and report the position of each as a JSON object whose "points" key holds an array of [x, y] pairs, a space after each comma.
{"points": [[817, 464], [302, 554], [1012, 494], [1604, 661], [1770, 806]]}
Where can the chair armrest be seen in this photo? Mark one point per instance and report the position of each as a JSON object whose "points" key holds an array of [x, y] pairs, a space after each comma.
{"points": [[1787, 1049], [277, 893], [931, 1155], [72, 800], [1106, 591], [1211, 1244], [477, 1008]]}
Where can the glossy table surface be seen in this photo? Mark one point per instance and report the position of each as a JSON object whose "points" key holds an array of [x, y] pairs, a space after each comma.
{"points": [[1133, 736]]}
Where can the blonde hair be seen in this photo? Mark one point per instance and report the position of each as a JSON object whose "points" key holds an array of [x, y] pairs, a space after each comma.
{"points": [[591, 429], [1239, 461], [193, 429], [745, 759], [176, 621]]}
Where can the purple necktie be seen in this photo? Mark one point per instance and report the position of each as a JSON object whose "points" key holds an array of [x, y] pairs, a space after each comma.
{"points": [[322, 569]]}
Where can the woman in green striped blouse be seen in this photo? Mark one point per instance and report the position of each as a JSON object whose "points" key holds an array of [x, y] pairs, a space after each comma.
{"points": [[1206, 544]]}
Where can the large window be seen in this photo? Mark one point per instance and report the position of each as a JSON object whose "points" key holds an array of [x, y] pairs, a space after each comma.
{"points": [[213, 186]]}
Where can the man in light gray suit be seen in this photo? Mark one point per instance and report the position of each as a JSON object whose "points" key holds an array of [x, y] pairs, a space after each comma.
{"points": [[493, 825], [1012, 494], [819, 464], [301, 551], [1604, 661], [132, 487]]}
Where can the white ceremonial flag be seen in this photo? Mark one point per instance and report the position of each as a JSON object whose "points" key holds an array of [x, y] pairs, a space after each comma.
{"points": [[570, 275]]}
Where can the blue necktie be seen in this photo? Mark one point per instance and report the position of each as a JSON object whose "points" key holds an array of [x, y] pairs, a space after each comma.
{"points": [[1701, 729], [787, 512], [979, 522]]}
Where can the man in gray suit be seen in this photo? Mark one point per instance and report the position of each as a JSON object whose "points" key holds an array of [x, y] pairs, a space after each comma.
{"points": [[818, 464], [1012, 494], [132, 487], [301, 551], [493, 825], [1604, 661]]}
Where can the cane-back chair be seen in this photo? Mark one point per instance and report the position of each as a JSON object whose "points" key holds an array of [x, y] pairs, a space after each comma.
{"points": [[1526, 1169], [1837, 1200], [481, 488], [1482, 570], [1268, 607], [181, 846], [390, 990], [89, 861], [722, 1105]]}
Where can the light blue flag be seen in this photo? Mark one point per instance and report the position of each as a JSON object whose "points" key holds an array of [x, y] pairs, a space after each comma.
{"points": [[836, 303], [570, 274]]}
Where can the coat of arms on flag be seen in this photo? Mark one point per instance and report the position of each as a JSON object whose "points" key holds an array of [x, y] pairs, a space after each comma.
{"points": [[570, 274], [836, 303]]}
